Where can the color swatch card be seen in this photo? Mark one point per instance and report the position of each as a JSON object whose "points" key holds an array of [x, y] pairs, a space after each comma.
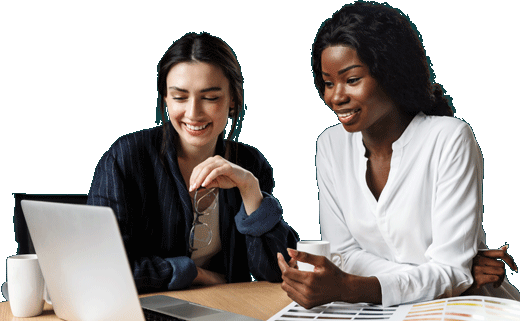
{"points": [[451, 309]]}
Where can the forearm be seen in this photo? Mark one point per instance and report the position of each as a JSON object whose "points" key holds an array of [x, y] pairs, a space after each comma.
{"points": [[206, 277], [251, 194], [159, 274]]}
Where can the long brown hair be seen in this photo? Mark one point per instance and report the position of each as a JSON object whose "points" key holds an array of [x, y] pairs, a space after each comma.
{"points": [[202, 47]]}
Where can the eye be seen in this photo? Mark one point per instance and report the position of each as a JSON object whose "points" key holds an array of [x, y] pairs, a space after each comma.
{"points": [[210, 98], [179, 98], [329, 84], [353, 80]]}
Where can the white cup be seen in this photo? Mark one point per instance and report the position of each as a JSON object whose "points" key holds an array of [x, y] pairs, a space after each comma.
{"points": [[317, 248], [25, 287]]}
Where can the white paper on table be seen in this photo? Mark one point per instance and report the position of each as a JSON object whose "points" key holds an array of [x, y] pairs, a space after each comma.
{"points": [[458, 308]]}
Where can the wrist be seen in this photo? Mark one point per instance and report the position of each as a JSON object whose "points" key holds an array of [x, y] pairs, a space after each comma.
{"points": [[361, 289]]}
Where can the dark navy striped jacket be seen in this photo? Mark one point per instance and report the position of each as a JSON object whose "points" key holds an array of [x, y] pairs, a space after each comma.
{"points": [[154, 212]]}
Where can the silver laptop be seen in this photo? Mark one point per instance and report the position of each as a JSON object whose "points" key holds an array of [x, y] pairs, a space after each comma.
{"points": [[86, 270]]}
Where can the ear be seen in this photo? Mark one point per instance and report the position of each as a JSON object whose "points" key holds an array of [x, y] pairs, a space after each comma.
{"points": [[232, 109]]}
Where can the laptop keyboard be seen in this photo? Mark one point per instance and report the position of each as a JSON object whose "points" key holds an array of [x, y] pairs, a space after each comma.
{"points": [[156, 316]]}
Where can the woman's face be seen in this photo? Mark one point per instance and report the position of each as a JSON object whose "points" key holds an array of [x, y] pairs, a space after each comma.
{"points": [[198, 100], [351, 92]]}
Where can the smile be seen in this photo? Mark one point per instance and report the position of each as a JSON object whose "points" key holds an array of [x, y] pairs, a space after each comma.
{"points": [[344, 114], [191, 127]]}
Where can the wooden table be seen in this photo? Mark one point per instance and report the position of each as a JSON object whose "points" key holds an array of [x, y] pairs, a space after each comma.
{"points": [[259, 300]]}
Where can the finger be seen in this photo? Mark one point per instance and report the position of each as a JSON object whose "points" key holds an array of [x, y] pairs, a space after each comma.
{"points": [[293, 263], [489, 270], [499, 282], [316, 260], [222, 169], [294, 295], [485, 279], [502, 255], [291, 273], [281, 263], [486, 261], [200, 172]]}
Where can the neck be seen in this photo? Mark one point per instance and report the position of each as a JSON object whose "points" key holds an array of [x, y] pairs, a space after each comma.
{"points": [[378, 139], [194, 155]]}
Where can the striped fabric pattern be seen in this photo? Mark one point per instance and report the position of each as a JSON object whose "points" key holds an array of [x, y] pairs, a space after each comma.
{"points": [[154, 212]]}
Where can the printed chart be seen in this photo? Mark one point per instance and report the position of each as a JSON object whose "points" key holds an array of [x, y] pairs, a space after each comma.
{"points": [[453, 309]]}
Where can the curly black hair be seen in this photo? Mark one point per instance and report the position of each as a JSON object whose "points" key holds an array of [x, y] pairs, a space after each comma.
{"points": [[390, 45]]}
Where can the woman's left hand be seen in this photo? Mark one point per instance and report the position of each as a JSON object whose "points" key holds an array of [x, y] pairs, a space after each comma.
{"points": [[219, 172], [489, 267]]}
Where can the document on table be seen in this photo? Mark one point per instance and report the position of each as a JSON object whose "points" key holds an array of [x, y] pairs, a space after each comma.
{"points": [[453, 309]]}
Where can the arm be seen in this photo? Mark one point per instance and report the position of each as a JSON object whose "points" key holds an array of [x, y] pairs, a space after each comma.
{"points": [[150, 272], [455, 220], [259, 218]]}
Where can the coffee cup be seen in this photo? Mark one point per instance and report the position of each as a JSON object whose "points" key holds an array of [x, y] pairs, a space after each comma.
{"points": [[321, 248], [25, 287]]}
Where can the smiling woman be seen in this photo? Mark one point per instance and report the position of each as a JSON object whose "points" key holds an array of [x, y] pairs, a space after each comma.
{"points": [[192, 207], [400, 179]]}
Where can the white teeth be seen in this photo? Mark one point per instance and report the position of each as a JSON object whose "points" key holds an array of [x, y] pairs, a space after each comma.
{"points": [[196, 127], [347, 114]]}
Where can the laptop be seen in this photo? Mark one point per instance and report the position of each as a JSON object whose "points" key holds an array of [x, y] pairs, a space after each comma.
{"points": [[86, 270]]}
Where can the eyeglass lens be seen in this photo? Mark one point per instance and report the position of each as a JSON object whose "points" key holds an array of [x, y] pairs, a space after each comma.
{"points": [[204, 203]]}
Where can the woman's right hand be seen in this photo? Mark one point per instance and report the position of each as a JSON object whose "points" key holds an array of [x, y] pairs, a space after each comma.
{"points": [[489, 267], [206, 277]]}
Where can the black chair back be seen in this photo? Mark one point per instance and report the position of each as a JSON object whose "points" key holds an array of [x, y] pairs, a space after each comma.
{"points": [[21, 233]]}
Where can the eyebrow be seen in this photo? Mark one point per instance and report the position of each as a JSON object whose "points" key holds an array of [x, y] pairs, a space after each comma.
{"points": [[205, 90], [342, 71]]}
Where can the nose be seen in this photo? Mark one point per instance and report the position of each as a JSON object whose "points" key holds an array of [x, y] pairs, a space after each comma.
{"points": [[193, 108], [340, 95]]}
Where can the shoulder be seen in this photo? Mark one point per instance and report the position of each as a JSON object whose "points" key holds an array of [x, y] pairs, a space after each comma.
{"points": [[245, 156], [443, 128], [251, 159], [134, 147], [331, 134], [137, 141], [336, 139]]}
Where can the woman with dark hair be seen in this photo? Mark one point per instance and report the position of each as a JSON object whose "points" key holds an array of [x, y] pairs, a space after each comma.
{"points": [[191, 206], [400, 179]]}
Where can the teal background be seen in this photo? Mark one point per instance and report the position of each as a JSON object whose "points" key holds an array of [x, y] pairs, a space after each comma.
{"points": [[75, 76]]}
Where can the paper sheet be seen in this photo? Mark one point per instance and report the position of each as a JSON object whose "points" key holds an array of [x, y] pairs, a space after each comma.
{"points": [[452, 309]]}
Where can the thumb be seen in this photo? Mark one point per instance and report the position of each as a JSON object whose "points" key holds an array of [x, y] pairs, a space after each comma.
{"points": [[306, 257]]}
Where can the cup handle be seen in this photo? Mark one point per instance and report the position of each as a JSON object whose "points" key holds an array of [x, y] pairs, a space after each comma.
{"points": [[340, 259], [46, 296], [5, 290]]}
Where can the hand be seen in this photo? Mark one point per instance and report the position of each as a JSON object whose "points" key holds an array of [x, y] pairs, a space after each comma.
{"points": [[326, 284], [218, 172], [489, 267], [310, 289], [206, 277]]}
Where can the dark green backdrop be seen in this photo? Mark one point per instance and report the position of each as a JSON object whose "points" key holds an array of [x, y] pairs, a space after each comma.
{"points": [[76, 77]]}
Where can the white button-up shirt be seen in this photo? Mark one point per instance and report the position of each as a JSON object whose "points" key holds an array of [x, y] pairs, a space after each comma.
{"points": [[420, 237]]}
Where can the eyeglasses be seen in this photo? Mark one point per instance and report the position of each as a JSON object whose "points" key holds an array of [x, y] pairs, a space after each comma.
{"points": [[204, 203]]}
